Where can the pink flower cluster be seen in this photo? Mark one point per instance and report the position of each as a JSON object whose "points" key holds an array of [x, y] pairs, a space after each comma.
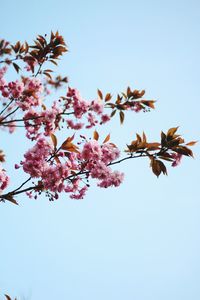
{"points": [[56, 176], [49, 118], [53, 177], [27, 91], [2, 80], [35, 162], [4, 180], [97, 160], [75, 126], [81, 107], [15, 89], [31, 95]]}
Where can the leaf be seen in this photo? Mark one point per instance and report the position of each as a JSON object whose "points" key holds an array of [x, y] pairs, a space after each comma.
{"points": [[100, 94], [57, 160], [17, 47], [139, 139], [26, 47], [149, 103], [144, 138], [69, 146], [16, 67], [113, 113], [162, 167], [107, 139], [172, 131], [121, 115], [158, 167], [48, 70], [163, 139], [128, 91], [54, 140], [95, 135], [53, 62], [192, 143], [108, 97], [183, 150], [47, 74], [166, 158], [155, 167], [7, 297], [11, 199], [119, 99]]}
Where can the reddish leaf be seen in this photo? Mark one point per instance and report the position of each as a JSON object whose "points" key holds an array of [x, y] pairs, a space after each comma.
{"points": [[113, 113], [106, 139], [139, 139], [192, 143], [54, 140], [16, 67], [163, 139], [100, 94], [183, 150], [144, 138], [95, 135], [158, 167], [121, 115], [172, 131], [108, 97]]}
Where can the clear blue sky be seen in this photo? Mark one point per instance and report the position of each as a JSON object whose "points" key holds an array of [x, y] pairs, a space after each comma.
{"points": [[140, 241]]}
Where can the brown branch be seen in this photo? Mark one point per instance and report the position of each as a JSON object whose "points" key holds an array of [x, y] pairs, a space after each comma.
{"points": [[30, 119], [8, 115], [11, 101]]}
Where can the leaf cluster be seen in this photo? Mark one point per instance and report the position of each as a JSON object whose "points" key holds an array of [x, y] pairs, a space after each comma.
{"points": [[169, 146], [127, 100]]}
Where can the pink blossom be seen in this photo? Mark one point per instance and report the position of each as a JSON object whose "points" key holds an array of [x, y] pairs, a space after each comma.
{"points": [[4, 180], [12, 127], [32, 93], [137, 107], [97, 106], [80, 106], [49, 118], [80, 194], [91, 120], [114, 179], [16, 88], [105, 118], [32, 122], [98, 170], [109, 152], [53, 177], [177, 159], [2, 80], [75, 126], [91, 151], [36, 158], [3, 71], [73, 186]]}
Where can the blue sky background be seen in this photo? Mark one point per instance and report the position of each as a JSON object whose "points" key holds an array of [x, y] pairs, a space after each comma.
{"points": [[140, 241]]}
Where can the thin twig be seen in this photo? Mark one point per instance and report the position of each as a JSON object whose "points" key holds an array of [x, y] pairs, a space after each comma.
{"points": [[6, 106]]}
